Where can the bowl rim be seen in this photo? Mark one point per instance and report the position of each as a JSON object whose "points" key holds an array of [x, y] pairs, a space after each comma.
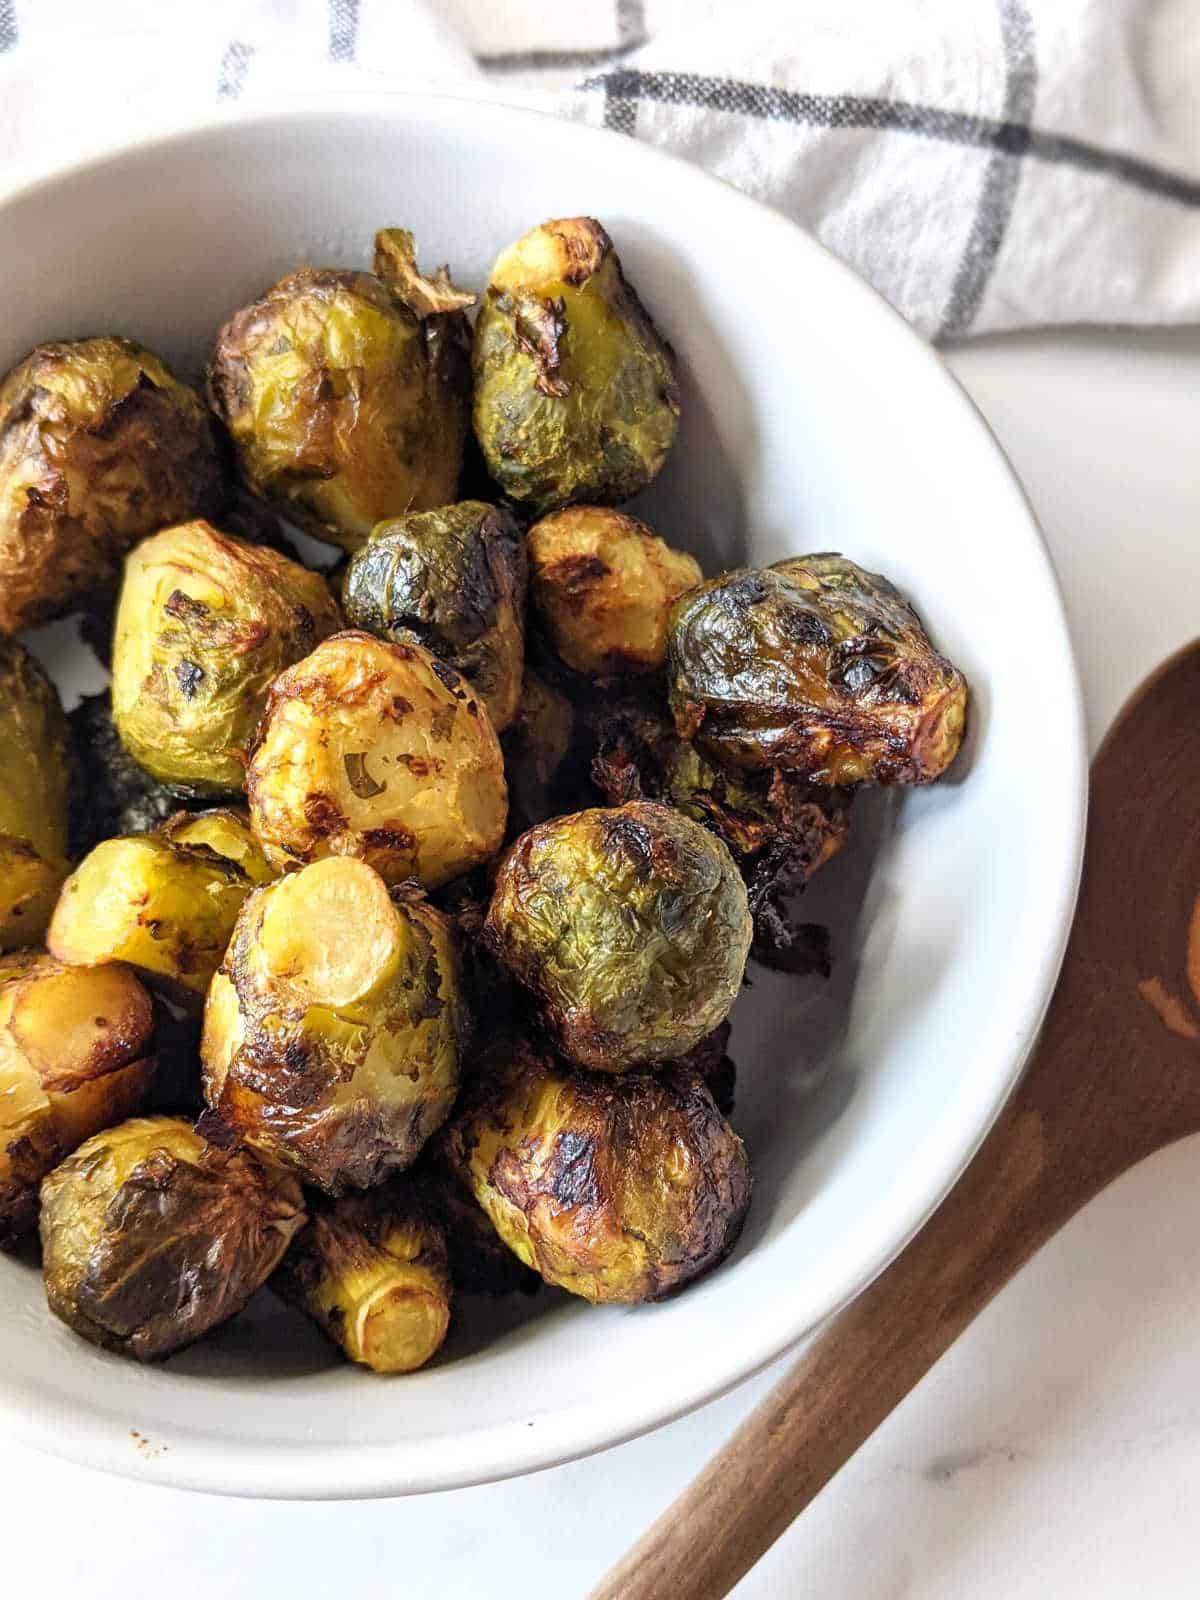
{"points": [[287, 1471]]}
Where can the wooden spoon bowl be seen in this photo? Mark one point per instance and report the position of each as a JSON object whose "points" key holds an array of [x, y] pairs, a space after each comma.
{"points": [[1115, 1077]]}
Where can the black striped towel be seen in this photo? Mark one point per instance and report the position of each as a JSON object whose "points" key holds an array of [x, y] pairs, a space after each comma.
{"points": [[986, 164]]}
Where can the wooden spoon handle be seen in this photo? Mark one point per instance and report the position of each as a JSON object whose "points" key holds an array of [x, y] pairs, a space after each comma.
{"points": [[1046, 1156]]}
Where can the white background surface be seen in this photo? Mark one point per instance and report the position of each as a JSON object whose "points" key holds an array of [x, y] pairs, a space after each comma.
{"points": [[1054, 1451]]}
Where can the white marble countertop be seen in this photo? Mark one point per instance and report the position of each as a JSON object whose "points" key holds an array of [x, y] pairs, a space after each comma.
{"points": [[1054, 1451]]}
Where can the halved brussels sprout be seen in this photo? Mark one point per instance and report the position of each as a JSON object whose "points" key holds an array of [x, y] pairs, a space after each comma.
{"points": [[616, 1189], [332, 1031], [603, 585], [536, 746], [33, 796], [225, 830], [575, 390], [631, 927], [779, 829], [150, 1236], [74, 1058], [166, 909], [345, 395], [99, 446], [816, 667], [379, 751], [110, 793], [205, 624], [455, 580], [372, 1270]]}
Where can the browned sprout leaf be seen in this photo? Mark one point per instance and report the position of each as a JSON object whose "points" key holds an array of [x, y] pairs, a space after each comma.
{"points": [[151, 1236]]}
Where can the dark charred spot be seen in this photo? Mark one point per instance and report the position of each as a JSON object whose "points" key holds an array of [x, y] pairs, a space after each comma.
{"points": [[392, 838], [183, 608], [634, 839], [539, 327], [574, 1174], [751, 589], [400, 707], [323, 814], [419, 766], [189, 676], [448, 676], [306, 627], [575, 576], [804, 627]]}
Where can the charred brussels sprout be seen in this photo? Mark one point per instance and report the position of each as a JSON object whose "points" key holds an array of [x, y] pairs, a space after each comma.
{"points": [[74, 1058], [379, 751], [455, 580], [332, 1031], [603, 585], [99, 446], [372, 1270], [205, 624], [575, 389], [818, 668], [166, 909], [110, 793], [226, 831], [779, 829], [630, 926], [345, 394], [536, 748], [33, 796], [150, 1236], [617, 1189]]}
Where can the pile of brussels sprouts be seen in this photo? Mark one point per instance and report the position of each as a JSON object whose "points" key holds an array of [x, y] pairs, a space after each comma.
{"points": [[376, 935]]}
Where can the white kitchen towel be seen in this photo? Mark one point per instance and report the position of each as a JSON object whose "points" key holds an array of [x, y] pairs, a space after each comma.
{"points": [[986, 164]]}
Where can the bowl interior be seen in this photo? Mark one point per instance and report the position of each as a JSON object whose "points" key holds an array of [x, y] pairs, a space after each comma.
{"points": [[813, 421]]}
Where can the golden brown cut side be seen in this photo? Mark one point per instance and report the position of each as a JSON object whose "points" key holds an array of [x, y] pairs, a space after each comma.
{"points": [[816, 667], [630, 925], [616, 1189], [346, 393], [372, 1271], [150, 1236], [454, 579], [575, 397], [75, 1057], [168, 909], [100, 445], [603, 586], [34, 784], [333, 1031], [377, 750], [205, 624]]}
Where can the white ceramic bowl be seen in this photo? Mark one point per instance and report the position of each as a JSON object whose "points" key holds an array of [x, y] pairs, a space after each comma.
{"points": [[814, 419]]}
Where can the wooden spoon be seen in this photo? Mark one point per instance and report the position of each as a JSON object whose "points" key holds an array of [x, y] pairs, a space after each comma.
{"points": [[1115, 1077]]}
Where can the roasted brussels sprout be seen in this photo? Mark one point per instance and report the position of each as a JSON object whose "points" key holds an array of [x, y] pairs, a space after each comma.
{"points": [[110, 793], [779, 829], [816, 667], [74, 1058], [333, 1030], [603, 585], [99, 446], [34, 778], [631, 927], [372, 1270], [345, 394], [150, 1236], [575, 389], [225, 830], [204, 625], [380, 751], [166, 909], [617, 1189], [455, 580]]}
